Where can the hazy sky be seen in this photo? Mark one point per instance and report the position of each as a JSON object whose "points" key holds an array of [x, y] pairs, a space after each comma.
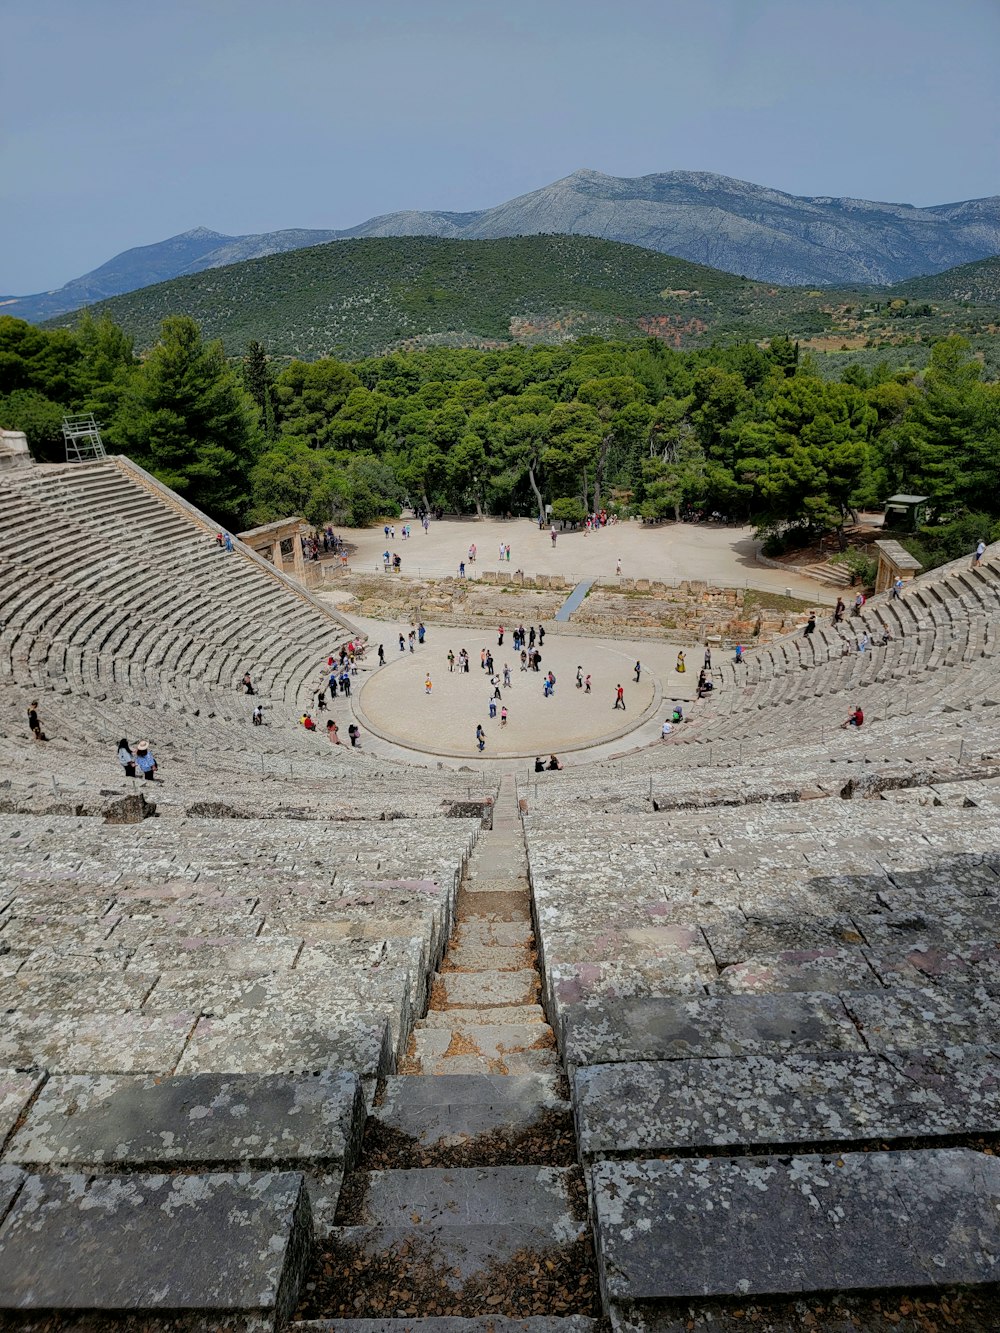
{"points": [[123, 122]]}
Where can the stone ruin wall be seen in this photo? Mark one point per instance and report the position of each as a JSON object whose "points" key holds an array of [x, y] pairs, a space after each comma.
{"points": [[691, 611]]}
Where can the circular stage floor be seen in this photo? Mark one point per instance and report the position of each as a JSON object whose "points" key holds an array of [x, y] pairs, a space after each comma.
{"points": [[395, 704]]}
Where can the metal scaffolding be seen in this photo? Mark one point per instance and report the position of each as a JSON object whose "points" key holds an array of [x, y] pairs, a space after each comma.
{"points": [[83, 439]]}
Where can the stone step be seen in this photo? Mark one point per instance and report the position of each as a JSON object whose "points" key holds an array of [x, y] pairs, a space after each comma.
{"points": [[509, 1062], [551, 1197], [762, 1103], [461, 1269], [848, 1222], [575, 1323], [492, 934], [472, 956], [490, 1041], [208, 1122], [474, 990], [219, 1244], [496, 906], [513, 884], [450, 1118], [513, 1013], [605, 1030]]}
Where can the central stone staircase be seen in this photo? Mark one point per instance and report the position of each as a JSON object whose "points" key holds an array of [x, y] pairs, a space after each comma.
{"points": [[468, 1209]]}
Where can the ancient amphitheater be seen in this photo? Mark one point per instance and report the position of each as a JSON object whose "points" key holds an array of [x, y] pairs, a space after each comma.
{"points": [[703, 1037]]}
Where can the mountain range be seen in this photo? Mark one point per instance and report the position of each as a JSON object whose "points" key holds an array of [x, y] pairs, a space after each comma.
{"points": [[728, 224]]}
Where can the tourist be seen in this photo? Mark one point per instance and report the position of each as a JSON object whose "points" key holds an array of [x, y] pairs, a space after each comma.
{"points": [[863, 643], [855, 719], [258, 715], [586, 683], [541, 635], [897, 586], [412, 640], [553, 534], [977, 559], [619, 697], [546, 687], [503, 716], [579, 678], [531, 637], [704, 685], [666, 729], [886, 634], [539, 764], [402, 642], [126, 758], [321, 701], [228, 541], [482, 659], [145, 762], [552, 682], [354, 731], [345, 682], [461, 569], [535, 659], [500, 636], [381, 655], [465, 660], [508, 553], [492, 705], [859, 602], [421, 632], [708, 657], [677, 714], [489, 663], [34, 726], [618, 567], [307, 722], [506, 675], [451, 660], [386, 557], [681, 665], [332, 735], [838, 611], [739, 653], [480, 737], [428, 684], [638, 671], [810, 625], [555, 763], [248, 683], [524, 660]]}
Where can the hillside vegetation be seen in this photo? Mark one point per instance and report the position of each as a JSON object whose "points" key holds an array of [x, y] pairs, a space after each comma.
{"points": [[978, 283], [372, 296]]}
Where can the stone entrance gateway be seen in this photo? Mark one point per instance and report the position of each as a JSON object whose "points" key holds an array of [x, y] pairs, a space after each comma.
{"points": [[267, 539]]}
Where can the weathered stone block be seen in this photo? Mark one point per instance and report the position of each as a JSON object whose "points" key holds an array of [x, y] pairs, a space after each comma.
{"points": [[212, 1243], [767, 1226]]}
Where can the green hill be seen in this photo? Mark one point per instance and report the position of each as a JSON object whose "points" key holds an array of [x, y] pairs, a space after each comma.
{"points": [[363, 297], [978, 283]]}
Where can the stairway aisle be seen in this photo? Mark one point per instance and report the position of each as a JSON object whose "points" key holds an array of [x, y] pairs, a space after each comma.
{"points": [[468, 1209]]}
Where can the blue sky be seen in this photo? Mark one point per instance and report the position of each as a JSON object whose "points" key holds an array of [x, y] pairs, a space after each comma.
{"points": [[123, 122]]}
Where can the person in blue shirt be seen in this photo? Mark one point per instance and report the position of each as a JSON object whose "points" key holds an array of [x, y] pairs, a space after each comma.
{"points": [[145, 761]]}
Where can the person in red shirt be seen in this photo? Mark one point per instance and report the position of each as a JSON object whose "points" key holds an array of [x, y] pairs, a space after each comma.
{"points": [[856, 718]]}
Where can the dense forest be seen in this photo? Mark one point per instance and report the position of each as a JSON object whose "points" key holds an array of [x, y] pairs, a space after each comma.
{"points": [[749, 431]]}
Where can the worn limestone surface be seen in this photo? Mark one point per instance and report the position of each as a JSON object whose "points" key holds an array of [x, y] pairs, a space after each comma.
{"points": [[755, 1101], [16, 1091], [293, 1043], [914, 1019], [449, 1109], [224, 1242], [95, 1043], [11, 1180], [651, 1028], [461, 1197], [756, 1226], [202, 1120]]}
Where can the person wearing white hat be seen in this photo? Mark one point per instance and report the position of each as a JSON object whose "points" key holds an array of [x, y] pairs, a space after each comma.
{"points": [[145, 761]]}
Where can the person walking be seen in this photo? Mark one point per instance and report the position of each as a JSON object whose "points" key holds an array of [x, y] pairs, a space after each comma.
{"points": [[34, 726], [451, 660], [500, 636], [586, 683], [619, 697], [541, 635], [579, 678], [381, 655], [810, 625], [977, 559], [681, 666], [739, 653], [506, 675], [126, 758], [838, 611], [145, 761], [428, 685], [897, 587], [638, 671], [480, 737], [531, 636], [708, 657], [258, 716], [402, 642], [492, 706], [618, 567], [421, 631]]}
